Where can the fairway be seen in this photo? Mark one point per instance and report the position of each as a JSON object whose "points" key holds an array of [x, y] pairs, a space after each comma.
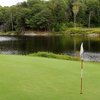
{"points": [[37, 78]]}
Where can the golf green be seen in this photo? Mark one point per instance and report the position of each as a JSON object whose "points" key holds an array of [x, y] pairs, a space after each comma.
{"points": [[37, 78]]}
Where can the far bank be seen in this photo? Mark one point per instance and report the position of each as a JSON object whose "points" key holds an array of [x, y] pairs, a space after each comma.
{"points": [[91, 32]]}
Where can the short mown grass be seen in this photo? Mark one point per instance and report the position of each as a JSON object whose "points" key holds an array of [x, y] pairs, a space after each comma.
{"points": [[38, 78]]}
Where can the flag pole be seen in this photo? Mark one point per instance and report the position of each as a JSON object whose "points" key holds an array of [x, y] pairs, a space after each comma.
{"points": [[81, 59], [81, 92]]}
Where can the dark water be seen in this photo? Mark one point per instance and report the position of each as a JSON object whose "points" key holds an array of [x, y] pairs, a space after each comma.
{"points": [[57, 44]]}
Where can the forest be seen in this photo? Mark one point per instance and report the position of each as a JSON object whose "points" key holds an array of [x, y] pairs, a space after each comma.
{"points": [[50, 15]]}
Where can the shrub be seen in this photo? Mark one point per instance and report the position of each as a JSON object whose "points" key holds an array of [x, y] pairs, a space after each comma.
{"points": [[69, 24], [75, 31], [82, 31], [53, 55]]}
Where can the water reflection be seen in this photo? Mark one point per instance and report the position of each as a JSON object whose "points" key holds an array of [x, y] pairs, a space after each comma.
{"points": [[57, 44], [5, 38], [89, 56]]}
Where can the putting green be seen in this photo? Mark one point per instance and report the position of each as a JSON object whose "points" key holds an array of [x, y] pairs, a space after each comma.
{"points": [[37, 78]]}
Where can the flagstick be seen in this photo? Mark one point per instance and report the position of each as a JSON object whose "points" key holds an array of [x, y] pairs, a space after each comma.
{"points": [[81, 92]]}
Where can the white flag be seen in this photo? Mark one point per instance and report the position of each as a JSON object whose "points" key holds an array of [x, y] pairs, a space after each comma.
{"points": [[81, 51]]}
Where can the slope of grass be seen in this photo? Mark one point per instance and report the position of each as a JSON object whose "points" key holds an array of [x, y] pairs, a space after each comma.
{"points": [[83, 31], [37, 78], [53, 55]]}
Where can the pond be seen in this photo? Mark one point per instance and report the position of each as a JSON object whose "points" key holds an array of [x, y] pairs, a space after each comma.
{"points": [[58, 44]]}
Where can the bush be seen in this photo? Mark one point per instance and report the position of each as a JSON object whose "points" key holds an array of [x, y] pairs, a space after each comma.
{"points": [[75, 31], [82, 31], [60, 27], [69, 24], [52, 55]]}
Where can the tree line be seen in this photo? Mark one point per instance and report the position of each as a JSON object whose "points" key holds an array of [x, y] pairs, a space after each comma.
{"points": [[51, 15]]}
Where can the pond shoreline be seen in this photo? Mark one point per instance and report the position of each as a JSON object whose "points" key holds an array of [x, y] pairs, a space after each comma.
{"points": [[34, 33], [62, 44], [47, 33]]}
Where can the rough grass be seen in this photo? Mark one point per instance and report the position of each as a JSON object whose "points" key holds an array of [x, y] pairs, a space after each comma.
{"points": [[37, 78], [75, 31], [53, 55], [83, 31]]}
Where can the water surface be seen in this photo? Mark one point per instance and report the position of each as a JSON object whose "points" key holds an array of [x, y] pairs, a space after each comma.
{"points": [[58, 44]]}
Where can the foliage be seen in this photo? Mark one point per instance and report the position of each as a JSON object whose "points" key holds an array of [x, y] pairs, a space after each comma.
{"points": [[53, 55], [75, 9], [82, 31], [51, 15]]}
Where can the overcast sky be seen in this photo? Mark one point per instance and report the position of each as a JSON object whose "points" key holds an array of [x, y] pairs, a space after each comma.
{"points": [[10, 2]]}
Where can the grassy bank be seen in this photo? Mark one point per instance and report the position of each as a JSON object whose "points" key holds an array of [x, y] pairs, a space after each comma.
{"points": [[37, 78], [83, 31], [56, 56], [70, 31]]}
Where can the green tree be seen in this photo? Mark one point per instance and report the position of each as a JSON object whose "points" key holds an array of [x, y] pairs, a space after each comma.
{"points": [[76, 6], [41, 18]]}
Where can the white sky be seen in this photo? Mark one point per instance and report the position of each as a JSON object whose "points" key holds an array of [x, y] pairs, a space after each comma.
{"points": [[10, 2]]}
